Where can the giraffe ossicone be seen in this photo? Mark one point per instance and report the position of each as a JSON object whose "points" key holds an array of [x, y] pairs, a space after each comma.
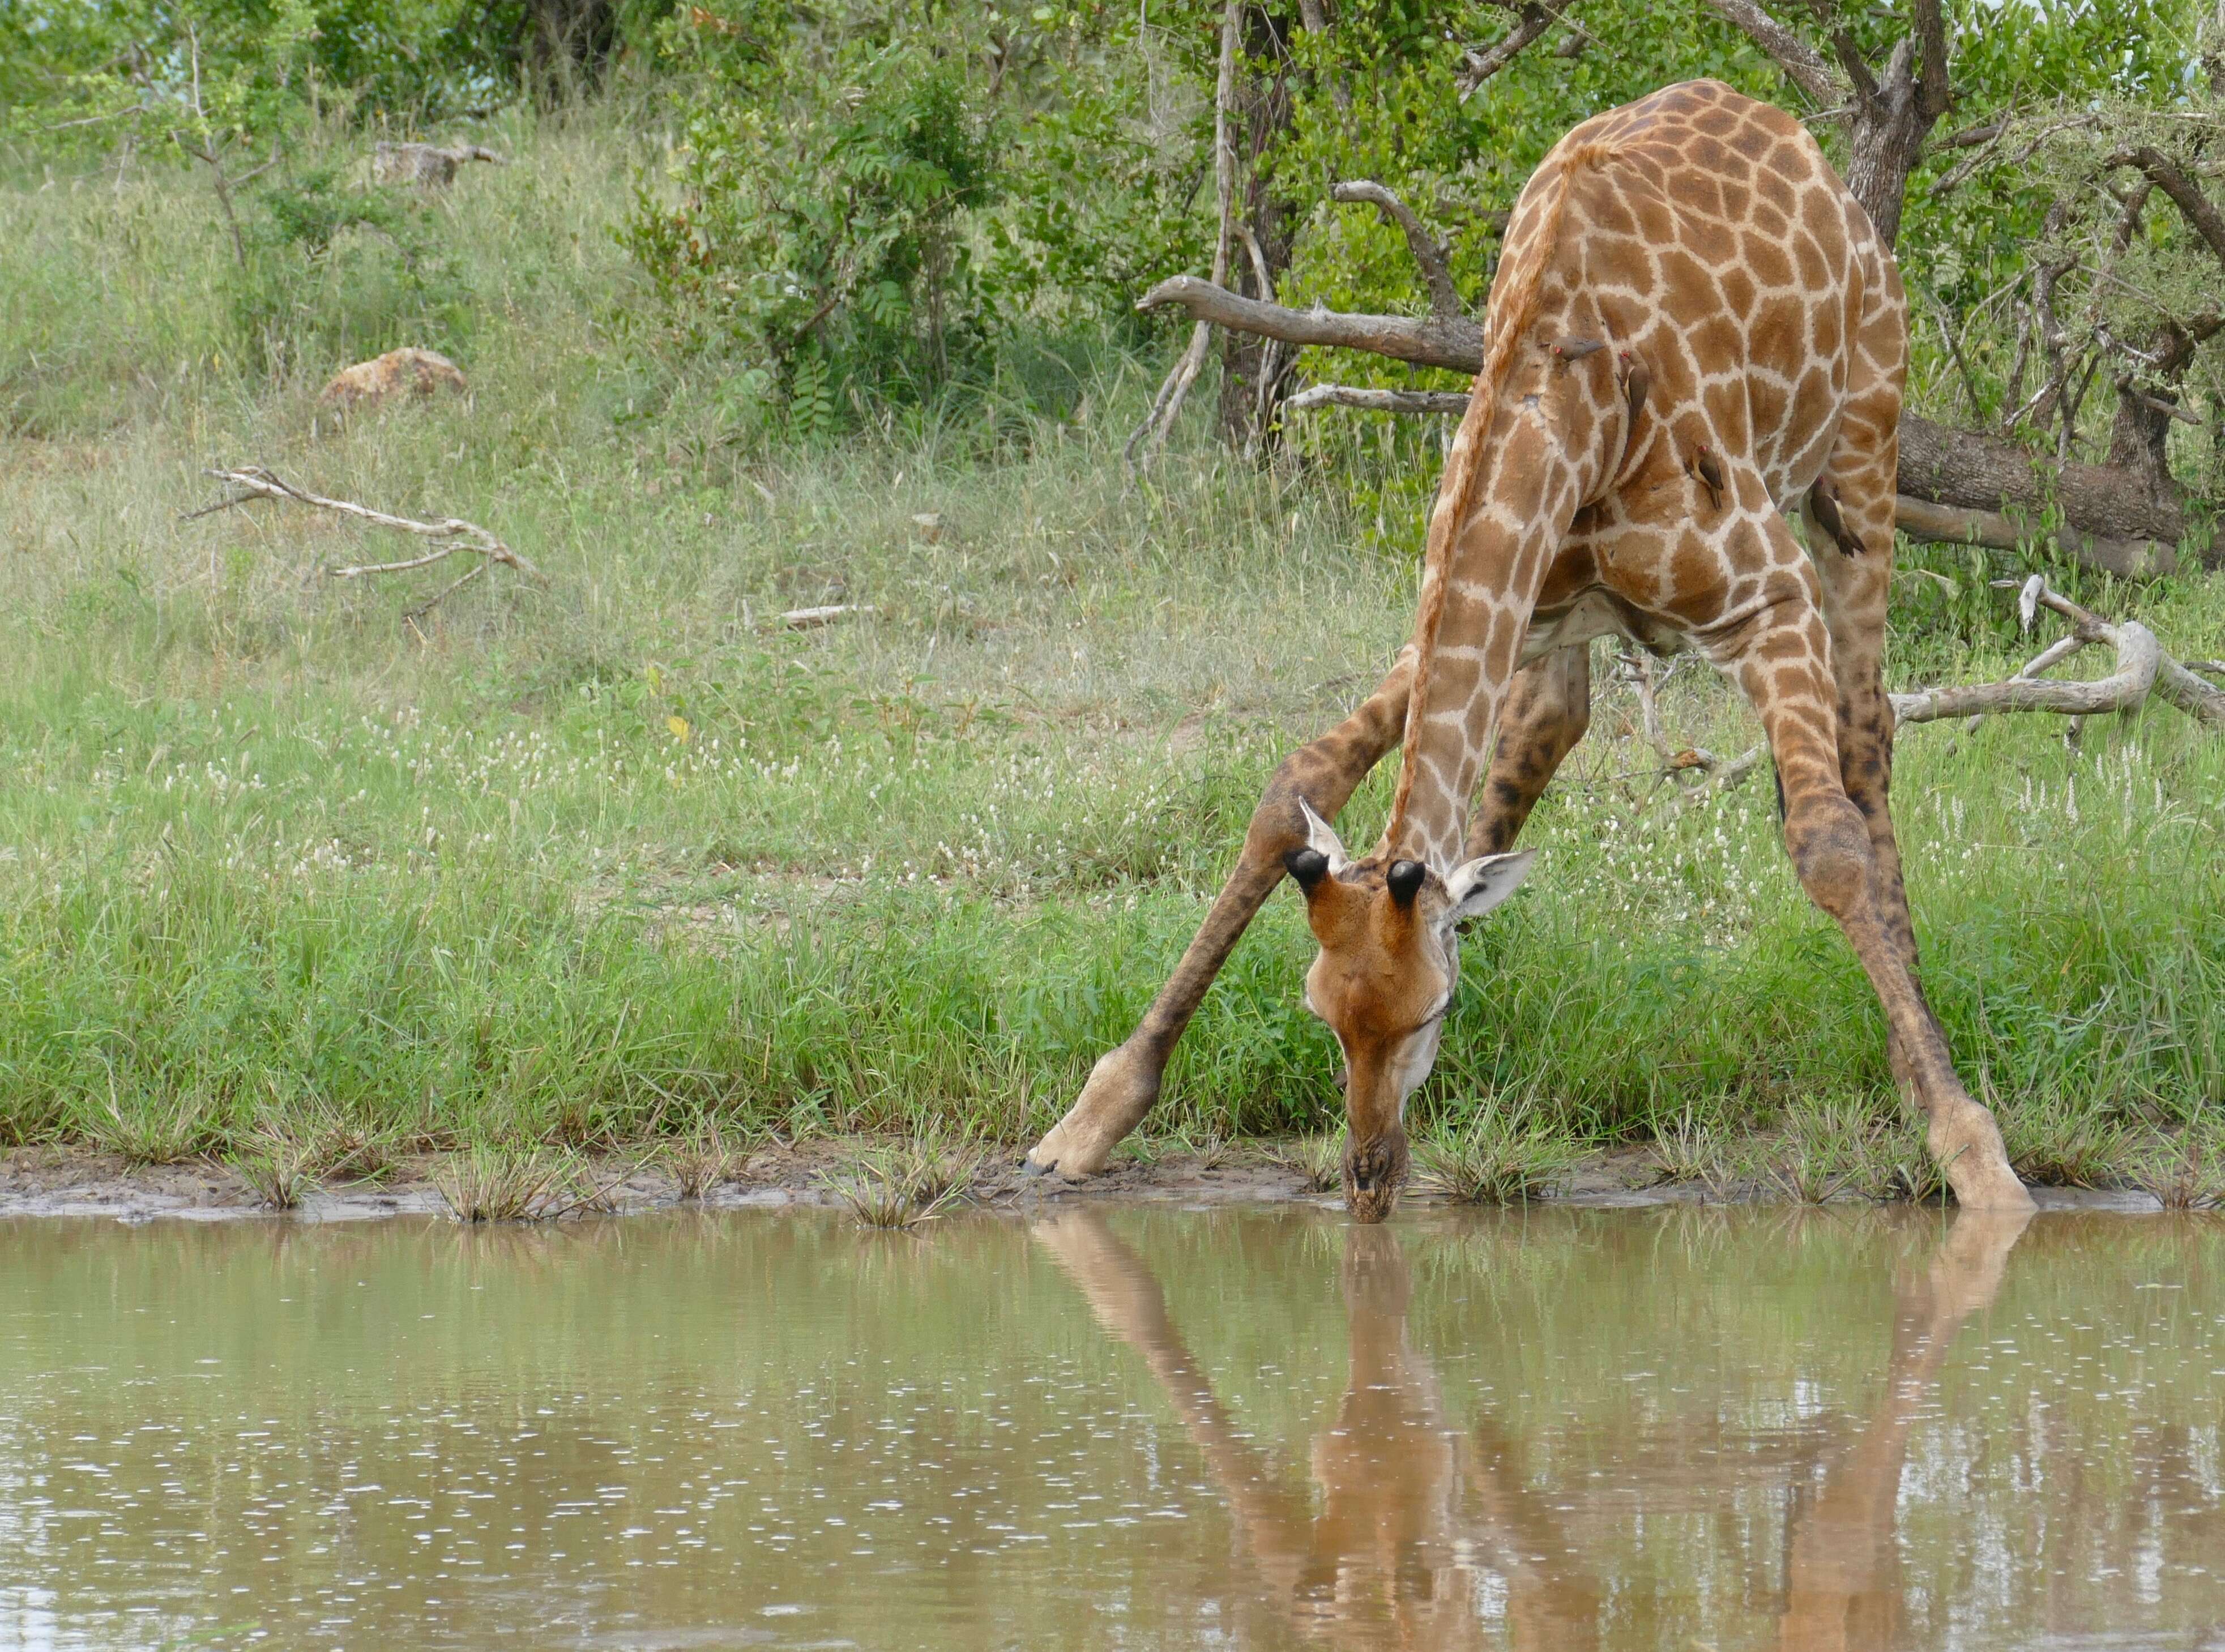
{"points": [[1753, 343]]}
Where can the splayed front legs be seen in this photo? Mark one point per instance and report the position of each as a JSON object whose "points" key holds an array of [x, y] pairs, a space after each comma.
{"points": [[1547, 707]]}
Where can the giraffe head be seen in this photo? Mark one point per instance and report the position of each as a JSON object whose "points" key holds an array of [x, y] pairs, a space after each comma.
{"points": [[1389, 963]]}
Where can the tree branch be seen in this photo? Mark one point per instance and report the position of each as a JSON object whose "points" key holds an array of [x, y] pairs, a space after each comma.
{"points": [[2164, 173], [1971, 136], [1801, 62], [1479, 66], [1452, 341], [1856, 71], [1933, 90], [1444, 297]]}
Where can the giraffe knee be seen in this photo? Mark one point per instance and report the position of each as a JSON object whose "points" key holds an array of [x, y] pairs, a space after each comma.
{"points": [[1278, 826], [1831, 848]]}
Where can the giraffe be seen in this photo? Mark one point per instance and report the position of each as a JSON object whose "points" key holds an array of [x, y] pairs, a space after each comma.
{"points": [[1694, 328]]}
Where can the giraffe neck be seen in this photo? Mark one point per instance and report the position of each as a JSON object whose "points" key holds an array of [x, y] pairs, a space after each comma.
{"points": [[1531, 480]]}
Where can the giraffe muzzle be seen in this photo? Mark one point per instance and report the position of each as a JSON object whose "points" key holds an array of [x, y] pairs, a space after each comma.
{"points": [[1374, 1170]]}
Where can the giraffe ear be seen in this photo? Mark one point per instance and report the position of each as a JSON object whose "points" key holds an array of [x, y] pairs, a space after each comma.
{"points": [[1481, 884], [1321, 839]]}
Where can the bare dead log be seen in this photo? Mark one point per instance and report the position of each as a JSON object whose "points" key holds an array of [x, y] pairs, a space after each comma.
{"points": [[2103, 503], [1959, 525], [2138, 656], [448, 535], [1450, 403]]}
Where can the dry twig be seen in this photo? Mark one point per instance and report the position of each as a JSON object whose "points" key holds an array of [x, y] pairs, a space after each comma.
{"points": [[449, 535]]}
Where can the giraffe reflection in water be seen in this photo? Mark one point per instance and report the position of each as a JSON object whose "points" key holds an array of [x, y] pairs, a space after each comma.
{"points": [[1410, 1516]]}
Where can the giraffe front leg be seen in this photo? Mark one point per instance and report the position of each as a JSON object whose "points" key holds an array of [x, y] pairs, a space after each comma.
{"points": [[1549, 707], [1785, 667], [1125, 1081]]}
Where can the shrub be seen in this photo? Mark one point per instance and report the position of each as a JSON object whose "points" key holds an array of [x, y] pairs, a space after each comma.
{"points": [[824, 233]]}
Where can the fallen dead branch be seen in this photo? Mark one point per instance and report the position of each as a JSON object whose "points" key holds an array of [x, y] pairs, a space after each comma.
{"points": [[807, 618], [449, 535], [2142, 669]]}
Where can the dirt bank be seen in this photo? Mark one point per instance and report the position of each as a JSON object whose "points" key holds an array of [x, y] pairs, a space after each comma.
{"points": [[79, 1182]]}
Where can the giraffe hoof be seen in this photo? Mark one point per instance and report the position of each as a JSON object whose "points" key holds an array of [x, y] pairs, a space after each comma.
{"points": [[1968, 1145], [1122, 1087], [1029, 1168]]}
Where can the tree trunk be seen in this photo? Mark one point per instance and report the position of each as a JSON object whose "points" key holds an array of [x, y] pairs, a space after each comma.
{"points": [[1884, 139], [568, 45], [1252, 367]]}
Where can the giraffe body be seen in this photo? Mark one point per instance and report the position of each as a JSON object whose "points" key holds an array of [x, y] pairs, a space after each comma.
{"points": [[1694, 326]]}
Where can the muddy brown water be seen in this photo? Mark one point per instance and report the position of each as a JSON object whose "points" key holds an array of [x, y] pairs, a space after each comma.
{"points": [[1117, 1428]]}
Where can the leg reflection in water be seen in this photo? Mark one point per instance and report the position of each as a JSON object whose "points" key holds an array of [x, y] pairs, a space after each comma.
{"points": [[1843, 1590], [1407, 1515], [1410, 1514]]}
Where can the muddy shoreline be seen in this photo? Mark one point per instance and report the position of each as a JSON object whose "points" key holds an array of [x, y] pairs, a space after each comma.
{"points": [[80, 1183]]}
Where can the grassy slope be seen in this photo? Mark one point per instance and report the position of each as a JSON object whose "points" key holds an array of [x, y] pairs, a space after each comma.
{"points": [[264, 849]]}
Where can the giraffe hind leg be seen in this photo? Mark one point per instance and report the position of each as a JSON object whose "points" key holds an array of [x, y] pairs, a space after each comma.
{"points": [[1124, 1083], [1860, 483], [1787, 670]]}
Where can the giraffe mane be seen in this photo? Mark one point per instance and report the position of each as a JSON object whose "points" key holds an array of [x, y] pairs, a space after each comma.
{"points": [[1514, 305]]}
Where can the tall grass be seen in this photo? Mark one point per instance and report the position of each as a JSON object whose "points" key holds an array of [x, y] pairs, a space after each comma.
{"points": [[606, 860]]}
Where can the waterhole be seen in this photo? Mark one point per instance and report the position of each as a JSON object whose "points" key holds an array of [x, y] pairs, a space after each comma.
{"points": [[1116, 1428]]}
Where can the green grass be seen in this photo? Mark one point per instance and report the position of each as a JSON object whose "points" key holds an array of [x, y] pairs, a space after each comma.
{"points": [[702, 1160], [1508, 1157], [486, 1183], [277, 1169], [591, 864], [903, 1184]]}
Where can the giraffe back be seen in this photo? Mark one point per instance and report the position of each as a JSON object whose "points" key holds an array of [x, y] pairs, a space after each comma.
{"points": [[1720, 247]]}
